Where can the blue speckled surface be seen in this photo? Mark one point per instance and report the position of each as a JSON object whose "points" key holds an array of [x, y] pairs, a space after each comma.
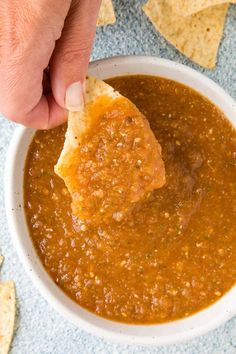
{"points": [[40, 330]]}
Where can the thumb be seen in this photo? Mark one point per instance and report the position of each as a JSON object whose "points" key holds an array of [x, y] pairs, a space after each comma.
{"points": [[70, 60]]}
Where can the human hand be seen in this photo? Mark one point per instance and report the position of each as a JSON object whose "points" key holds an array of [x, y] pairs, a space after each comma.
{"points": [[44, 53]]}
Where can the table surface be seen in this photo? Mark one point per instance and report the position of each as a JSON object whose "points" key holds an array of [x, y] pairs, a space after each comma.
{"points": [[39, 329]]}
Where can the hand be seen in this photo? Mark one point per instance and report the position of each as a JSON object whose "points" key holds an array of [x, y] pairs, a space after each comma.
{"points": [[44, 50]]}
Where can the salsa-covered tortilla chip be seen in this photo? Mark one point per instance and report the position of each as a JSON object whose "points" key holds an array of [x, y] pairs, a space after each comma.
{"points": [[189, 7], [7, 315], [111, 158], [106, 14], [197, 36]]}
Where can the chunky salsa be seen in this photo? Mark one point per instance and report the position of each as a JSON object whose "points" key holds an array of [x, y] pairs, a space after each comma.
{"points": [[176, 253]]}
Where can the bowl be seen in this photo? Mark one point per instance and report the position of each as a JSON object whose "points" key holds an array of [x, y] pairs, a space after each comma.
{"points": [[159, 334]]}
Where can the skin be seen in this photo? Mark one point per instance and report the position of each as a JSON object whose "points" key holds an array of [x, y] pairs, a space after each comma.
{"points": [[45, 46]]}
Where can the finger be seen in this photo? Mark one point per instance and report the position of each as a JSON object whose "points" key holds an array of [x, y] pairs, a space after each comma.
{"points": [[46, 114], [25, 103], [27, 40], [71, 56]]}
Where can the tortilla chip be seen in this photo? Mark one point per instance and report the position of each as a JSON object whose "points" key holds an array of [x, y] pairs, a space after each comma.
{"points": [[189, 7], [106, 14], [78, 121], [104, 142], [7, 315], [197, 36]]}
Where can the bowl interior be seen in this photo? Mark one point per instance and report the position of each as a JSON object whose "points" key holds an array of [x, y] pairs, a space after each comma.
{"points": [[149, 334]]}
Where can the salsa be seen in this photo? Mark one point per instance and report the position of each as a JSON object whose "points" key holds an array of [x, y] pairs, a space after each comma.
{"points": [[176, 253]]}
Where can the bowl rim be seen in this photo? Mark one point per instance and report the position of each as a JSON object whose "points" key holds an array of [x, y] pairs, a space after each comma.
{"points": [[43, 282]]}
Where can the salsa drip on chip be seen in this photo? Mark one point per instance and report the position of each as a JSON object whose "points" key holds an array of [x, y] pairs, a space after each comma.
{"points": [[111, 158]]}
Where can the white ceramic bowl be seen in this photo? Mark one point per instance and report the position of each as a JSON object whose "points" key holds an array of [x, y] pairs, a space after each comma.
{"points": [[168, 333]]}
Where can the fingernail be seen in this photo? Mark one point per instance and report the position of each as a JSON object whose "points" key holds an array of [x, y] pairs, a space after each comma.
{"points": [[75, 96]]}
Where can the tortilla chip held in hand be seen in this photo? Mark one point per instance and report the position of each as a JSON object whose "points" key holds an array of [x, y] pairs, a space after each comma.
{"points": [[111, 158]]}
